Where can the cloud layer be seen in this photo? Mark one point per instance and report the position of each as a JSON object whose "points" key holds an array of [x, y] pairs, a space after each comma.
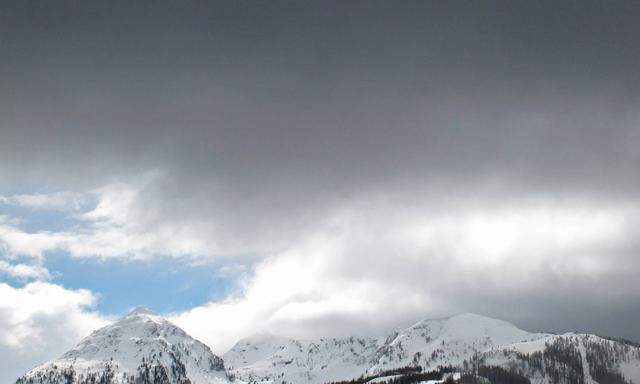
{"points": [[351, 165], [367, 271]]}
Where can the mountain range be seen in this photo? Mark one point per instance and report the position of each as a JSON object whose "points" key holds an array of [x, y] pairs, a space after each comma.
{"points": [[144, 348]]}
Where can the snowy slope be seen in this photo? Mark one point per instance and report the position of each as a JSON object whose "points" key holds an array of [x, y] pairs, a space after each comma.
{"points": [[429, 344], [593, 352], [268, 358], [448, 341], [141, 346]]}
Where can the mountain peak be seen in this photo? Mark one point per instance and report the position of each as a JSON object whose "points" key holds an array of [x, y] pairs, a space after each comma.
{"points": [[469, 328], [468, 318], [463, 320], [141, 310], [139, 344]]}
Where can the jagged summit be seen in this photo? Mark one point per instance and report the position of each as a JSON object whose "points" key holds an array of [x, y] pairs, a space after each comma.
{"points": [[140, 345]]}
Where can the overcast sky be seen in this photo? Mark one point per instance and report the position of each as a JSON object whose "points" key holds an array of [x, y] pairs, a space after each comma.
{"points": [[316, 168]]}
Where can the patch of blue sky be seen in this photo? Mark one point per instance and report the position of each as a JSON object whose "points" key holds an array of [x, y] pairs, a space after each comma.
{"points": [[163, 284], [51, 221], [35, 220]]}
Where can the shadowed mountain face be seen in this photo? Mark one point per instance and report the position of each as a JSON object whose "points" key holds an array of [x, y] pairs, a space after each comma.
{"points": [[144, 348]]}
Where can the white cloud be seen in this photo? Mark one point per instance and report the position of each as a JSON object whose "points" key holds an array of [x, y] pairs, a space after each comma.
{"points": [[368, 271], [14, 240], [373, 264], [556, 235], [24, 272], [119, 226], [40, 321], [116, 205]]}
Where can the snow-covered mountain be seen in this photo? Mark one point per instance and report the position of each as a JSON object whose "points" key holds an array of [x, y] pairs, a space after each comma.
{"points": [[140, 348], [447, 341], [428, 343], [144, 348], [267, 358], [462, 341]]}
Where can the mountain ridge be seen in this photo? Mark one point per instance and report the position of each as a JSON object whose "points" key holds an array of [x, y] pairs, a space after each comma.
{"points": [[352, 357], [145, 348], [430, 343]]}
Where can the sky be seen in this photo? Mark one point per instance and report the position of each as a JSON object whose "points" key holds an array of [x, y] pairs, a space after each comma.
{"points": [[316, 168]]}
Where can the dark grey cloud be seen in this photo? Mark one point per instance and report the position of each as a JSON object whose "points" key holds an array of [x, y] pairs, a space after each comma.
{"points": [[355, 90], [267, 117]]}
